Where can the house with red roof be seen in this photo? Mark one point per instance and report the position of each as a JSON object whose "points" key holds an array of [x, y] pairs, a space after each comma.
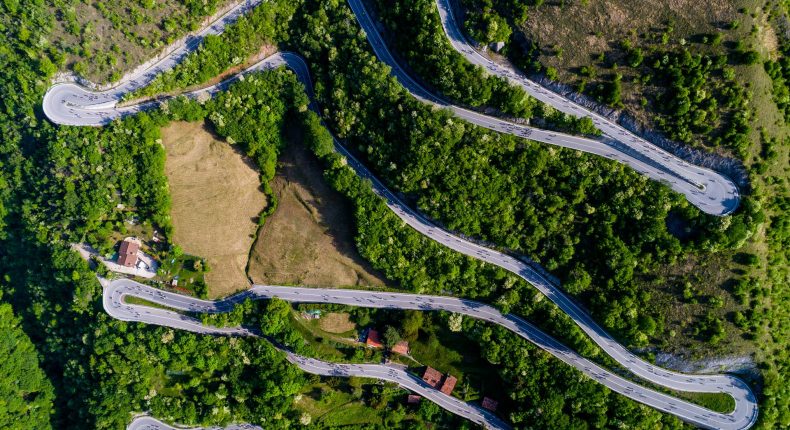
{"points": [[432, 377], [127, 255], [448, 385], [373, 339], [402, 348]]}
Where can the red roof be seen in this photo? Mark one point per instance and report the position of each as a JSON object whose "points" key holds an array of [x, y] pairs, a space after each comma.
{"points": [[432, 377], [401, 348], [448, 384], [373, 340], [127, 255], [490, 404], [413, 398]]}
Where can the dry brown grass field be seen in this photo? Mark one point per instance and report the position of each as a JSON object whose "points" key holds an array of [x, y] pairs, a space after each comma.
{"points": [[216, 201], [309, 240]]}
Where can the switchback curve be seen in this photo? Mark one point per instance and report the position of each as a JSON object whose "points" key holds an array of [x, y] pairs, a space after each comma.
{"points": [[67, 103]]}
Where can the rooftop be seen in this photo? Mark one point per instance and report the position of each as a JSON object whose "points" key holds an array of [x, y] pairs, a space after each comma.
{"points": [[401, 348], [448, 385], [127, 255], [432, 377], [373, 340]]}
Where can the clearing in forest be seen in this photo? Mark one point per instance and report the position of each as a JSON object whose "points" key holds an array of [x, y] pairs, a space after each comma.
{"points": [[309, 240], [217, 198], [336, 322]]}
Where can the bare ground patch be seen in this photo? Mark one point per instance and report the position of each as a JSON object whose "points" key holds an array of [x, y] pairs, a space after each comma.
{"points": [[309, 240], [216, 202]]}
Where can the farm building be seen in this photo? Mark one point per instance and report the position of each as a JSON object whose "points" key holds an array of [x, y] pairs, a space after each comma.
{"points": [[448, 385]]}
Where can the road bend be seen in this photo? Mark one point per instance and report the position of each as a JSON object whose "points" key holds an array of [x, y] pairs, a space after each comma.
{"points": [[710, 191], [746, 407], [68, 103], [71, 104], [116, 307]]}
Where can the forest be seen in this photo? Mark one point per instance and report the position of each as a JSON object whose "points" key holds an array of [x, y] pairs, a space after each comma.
{"points": [[690, 84], [562, 208], [25, 391], [552, 213], [421, 42]]}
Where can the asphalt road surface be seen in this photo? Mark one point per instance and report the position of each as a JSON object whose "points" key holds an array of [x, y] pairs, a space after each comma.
{"points": [[710, 191], [115, 306], [145, 422], [71, 104], [746, 409]]}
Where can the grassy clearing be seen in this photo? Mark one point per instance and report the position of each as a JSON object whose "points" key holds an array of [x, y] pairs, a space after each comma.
{"points": [[338, 347], [309, 240], [338, 406], [132, 300], [336, 322], [711, 278], [454, 353], [216, 202], [572, 35], [714, 401]]}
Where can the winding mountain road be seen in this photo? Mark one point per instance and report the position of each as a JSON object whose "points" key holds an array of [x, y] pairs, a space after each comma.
{"points": [[711, 192], [115, 306], [68, 103], [71, 104]]}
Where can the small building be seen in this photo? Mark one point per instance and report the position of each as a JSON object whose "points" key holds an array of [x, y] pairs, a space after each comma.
{"points": [[432, 377], [313, 314], [448, 385], [127, 255], [402, 348], [497, 46], [373, 339], [490, 404], [413, 399]]}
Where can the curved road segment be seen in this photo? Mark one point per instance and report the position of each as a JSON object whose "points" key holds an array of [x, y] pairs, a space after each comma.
{"points": [[714, 194], [145, 422], [115, 306], [70, 104]]}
